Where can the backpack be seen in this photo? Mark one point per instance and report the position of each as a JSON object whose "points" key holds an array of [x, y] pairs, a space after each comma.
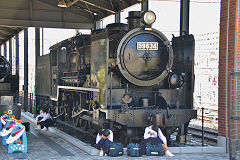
{"points": [[154, 149], [134, 150], [116, 149], [27, 126]]}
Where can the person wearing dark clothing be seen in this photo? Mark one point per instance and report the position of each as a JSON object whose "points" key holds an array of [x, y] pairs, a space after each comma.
{"points": [[154, 135], [44, 120], [103, 140]]}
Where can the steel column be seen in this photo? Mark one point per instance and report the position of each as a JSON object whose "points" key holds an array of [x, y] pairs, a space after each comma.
{"points": [[25, 69], [10, 55], [0, 50], [144, 5], [97, 23], [37, 54], [37, 44], [17, 65], [5, 50], [118, 17], [42, 41], [17, 54], [184, 17]]}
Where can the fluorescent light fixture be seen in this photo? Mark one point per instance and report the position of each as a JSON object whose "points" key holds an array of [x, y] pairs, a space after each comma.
{"points": [[62, 4]]}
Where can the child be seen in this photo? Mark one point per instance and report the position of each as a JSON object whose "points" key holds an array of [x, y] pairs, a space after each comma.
{"points": [[103, 141], [154, 135], [44, 120]]}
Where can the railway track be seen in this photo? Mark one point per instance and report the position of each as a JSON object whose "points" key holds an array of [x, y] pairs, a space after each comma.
{"points": [[76, 132], [210, 135]]}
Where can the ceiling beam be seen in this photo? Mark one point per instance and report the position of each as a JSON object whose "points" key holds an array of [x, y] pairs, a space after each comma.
{"points": [[83, 14], [4, 37], [43, 15], [90, 9], [8, 31], [103, 5], [69, 4], [46, 24], [127, 3]]}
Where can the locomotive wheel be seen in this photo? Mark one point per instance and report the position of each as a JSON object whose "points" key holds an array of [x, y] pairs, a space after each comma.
{"points": [[83, 124], [123, 138], [76, 122], [65, 114]]}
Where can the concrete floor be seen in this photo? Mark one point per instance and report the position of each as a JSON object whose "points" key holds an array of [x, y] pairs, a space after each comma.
{"points": [[47, 145]]}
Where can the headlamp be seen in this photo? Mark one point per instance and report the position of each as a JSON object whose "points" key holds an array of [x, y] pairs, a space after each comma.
{"points": [[127, 99], [148, 17]]}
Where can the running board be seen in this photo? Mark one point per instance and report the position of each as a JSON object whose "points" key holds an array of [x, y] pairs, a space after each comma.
{"points": [[73, 88]]}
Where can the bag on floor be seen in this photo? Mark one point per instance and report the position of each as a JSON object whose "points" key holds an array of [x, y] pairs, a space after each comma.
{"points": [[154, 149], [27, 126], [134, 150], [116, 149]]}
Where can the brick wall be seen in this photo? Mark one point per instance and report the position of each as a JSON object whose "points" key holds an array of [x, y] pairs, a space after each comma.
{"points": [[229, 57]]}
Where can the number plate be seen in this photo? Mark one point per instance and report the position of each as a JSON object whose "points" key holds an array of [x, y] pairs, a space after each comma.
{"points": [[147, 45]]}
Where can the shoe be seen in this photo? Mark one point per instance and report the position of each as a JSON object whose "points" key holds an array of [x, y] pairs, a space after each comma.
{"points": [[101, 153], [44, 129], [168, 153], [38, 127]]}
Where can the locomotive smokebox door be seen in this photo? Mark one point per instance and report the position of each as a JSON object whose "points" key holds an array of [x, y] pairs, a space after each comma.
{"points": [[144, 57]]}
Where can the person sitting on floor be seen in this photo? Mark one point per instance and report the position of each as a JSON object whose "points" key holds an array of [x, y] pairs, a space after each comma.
{"points": [[103, 141], [44, 120], [154, 135]]}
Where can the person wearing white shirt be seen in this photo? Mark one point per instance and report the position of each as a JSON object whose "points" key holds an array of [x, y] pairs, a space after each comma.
{"points": [[154, 135], [103, 140], [44, 120]]}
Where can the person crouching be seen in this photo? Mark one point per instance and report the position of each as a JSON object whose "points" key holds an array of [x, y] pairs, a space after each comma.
{"points": [[103, 141], [154, 135], [44, 120]]}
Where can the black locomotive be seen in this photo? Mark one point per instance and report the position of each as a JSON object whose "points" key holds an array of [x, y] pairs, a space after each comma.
{"points": [[126, 75], [8, 82]]}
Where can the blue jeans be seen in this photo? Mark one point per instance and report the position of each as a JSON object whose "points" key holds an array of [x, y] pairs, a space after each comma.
{"points": [[104, 144]]}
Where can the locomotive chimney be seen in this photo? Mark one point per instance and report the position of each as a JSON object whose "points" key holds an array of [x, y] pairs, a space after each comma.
{"points": [[134, 19]]}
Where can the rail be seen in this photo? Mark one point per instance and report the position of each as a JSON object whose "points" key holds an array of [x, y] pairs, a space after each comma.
{"points": [[210, 135]]}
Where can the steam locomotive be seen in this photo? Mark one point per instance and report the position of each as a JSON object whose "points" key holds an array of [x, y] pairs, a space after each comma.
{"points": [[8, 82], [126, 76]]}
